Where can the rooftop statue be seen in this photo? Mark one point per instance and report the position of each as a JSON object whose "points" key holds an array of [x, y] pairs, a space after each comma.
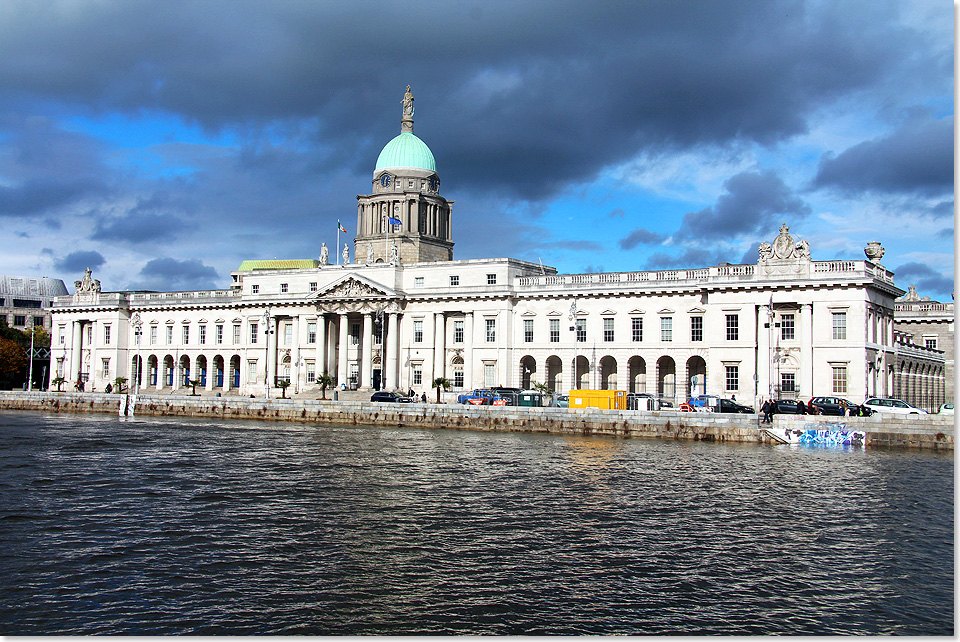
{"points": [[87, 284], [408, 104]]}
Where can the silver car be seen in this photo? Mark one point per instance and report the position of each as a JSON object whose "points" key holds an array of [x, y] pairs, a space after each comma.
{"points": [[895, 406]]}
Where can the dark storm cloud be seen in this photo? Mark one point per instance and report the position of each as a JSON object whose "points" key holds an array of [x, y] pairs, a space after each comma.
{"points": [[752, 203], [641, 236], [916, 158], [689, 258], [172, 274], [751, 255], [40, 196], [926, 279], [79, 261], [148, 221], [521, 98]]}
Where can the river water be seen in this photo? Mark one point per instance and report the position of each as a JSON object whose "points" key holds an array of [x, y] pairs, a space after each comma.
{"points": [[194, 527]]}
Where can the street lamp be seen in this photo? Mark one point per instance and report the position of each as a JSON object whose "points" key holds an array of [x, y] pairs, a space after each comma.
{"points": [[573, 319], [137, 325], [383, 349], [266, 363]]}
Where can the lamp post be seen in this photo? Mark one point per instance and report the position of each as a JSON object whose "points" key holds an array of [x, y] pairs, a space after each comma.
{"points": [[573, 319], [383, 349], [266, 363], [137, 325]]}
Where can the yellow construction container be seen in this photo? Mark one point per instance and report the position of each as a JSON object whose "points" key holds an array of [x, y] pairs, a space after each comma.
{"points": [[606, 399]]}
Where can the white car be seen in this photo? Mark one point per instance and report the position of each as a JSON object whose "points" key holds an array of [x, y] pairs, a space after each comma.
{"points": [[946, 409], [895, 406]]}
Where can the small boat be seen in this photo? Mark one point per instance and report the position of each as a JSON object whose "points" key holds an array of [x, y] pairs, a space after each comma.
{"points": [[817, 435]]}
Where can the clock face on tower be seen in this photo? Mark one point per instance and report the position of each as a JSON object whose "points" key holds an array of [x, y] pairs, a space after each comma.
{"points": [[385, 180]]}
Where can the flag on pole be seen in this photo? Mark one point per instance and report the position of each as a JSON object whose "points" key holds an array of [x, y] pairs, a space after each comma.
{"points": [[341, 227], [393, 221]]}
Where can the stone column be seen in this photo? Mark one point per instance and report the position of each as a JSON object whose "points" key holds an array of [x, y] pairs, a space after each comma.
{"points": [[320, 354], [429, 349], [806, 352], [366, 353], [295, 370], [271, 364], [468, 351], [391, 371], [75, 347], [211, 372], [343, 374], [330, 365], [439, 346]]}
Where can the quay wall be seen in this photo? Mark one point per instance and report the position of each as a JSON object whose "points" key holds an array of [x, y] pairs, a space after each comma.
{"points": [[896, 431]]}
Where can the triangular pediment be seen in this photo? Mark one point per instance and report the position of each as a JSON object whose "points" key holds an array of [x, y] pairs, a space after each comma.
{"points": [[354, 286]]}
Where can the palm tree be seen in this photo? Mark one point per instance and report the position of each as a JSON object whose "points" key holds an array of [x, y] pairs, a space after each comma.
{"points": [[441, 382], [119, 383], [324, 381], [283, 384], [194, 383], [543, 389], [59, 381]]}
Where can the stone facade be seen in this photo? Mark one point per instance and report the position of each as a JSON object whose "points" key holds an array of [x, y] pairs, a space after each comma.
{"points": [[925, 333]]}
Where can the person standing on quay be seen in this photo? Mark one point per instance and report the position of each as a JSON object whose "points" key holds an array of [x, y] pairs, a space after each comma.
{"points": [[767, 409]]}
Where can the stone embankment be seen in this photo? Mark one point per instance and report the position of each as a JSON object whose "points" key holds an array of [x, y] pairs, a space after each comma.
{"points": [[908, 431]]}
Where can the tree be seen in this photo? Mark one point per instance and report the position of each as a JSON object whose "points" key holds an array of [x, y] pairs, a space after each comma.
{"points": [[283, 384], [58, 381], [441, 382], [193, 383], [13, 362], [118, 384], [324, 381], [544, 389]]}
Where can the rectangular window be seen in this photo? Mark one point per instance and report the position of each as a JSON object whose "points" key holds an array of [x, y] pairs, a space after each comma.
{"points": [[153, 335], [311, 372], [311, 333], [636, 329], [418, 331], [106, 368], [608, 330], [313, 286], [106, 335], [491, 330], [787, 327], [666, 328], [839, 380], [252, 370], [733, 327], [288, 334], [454, 280], [255, 289], [489, 374], [186, 334], [930, 343], [63, 333], [418, 282], [355, 334], [418, 375], [253, 332], [696, 328], [283, 288], [219, 334], [788, 382], [581, 326], [19, 319], [236, 335], [203, 335], [169, 335], [528, 330], [458, 331], [732, 378], [554, 330], [839, 325], [491, 279], [458, 378]]}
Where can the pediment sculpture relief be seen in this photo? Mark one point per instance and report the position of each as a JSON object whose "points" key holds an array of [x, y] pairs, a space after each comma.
{"points": [[784, 248]]}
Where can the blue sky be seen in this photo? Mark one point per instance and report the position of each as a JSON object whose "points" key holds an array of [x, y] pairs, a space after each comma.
{"points": [[162, 143]]}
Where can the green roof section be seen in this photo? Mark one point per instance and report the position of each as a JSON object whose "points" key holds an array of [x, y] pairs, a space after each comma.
{"points": [[406, 150], [278, 264]]}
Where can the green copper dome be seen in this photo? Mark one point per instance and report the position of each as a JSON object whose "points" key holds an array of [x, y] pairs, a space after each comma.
{"points": [[406, 150]]}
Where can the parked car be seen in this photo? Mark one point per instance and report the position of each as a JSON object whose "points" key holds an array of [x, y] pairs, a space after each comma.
{"points": [[893, 406], [389, 397], [946, 409], [786, 407], [561, 401], [716, 404], [837, 406], [478, 397], [509, 396]]}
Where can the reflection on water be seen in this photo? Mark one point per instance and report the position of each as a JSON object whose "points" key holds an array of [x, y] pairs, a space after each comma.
{"points": [[159, 526]]}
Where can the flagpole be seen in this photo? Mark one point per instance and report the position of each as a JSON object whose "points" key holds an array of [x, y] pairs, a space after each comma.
{"points": [[337, 249]]}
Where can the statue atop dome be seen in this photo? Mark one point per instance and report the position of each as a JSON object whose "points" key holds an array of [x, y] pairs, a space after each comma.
{"points": [[406, 123]]}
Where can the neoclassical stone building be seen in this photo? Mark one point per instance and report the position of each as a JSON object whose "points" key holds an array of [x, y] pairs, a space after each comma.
{"points": [[402, 312]]}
